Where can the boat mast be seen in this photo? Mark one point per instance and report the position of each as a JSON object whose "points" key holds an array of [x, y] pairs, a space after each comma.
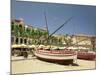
{"points": [[46, 26], [49, 35], [61, 26]]}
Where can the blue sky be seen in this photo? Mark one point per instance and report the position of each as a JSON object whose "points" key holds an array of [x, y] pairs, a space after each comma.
{"points": [[83, 21]]}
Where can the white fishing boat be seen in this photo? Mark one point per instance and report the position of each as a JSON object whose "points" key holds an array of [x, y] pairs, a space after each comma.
{"points": [[57, 56]]}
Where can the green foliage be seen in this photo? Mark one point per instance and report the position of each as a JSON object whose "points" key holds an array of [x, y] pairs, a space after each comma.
{"points": [[37, 35]]}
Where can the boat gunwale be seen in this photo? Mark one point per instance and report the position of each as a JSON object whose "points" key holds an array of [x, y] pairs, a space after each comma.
{"points": [[56, 57]]}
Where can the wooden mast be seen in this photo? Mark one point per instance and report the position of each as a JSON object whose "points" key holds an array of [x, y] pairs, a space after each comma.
{"points": [[46, 27]]}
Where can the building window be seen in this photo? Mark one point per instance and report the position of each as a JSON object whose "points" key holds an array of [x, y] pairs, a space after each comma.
{"points": [[16, 40], [21, 40], [25, 41], [20, 26]]}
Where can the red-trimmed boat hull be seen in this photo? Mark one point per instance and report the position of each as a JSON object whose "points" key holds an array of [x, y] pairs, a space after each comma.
{"points": [[86, 55], [56, 57]]}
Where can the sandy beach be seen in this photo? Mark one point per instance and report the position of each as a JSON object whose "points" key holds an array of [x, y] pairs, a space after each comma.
{"points": [[33, 65]]}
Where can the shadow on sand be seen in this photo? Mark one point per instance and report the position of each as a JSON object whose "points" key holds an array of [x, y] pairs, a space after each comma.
{"points": [[64, 63]]}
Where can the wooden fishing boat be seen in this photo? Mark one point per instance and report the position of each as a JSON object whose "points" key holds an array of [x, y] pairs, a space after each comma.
{"points": [[57, 56], [86, 55]]}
